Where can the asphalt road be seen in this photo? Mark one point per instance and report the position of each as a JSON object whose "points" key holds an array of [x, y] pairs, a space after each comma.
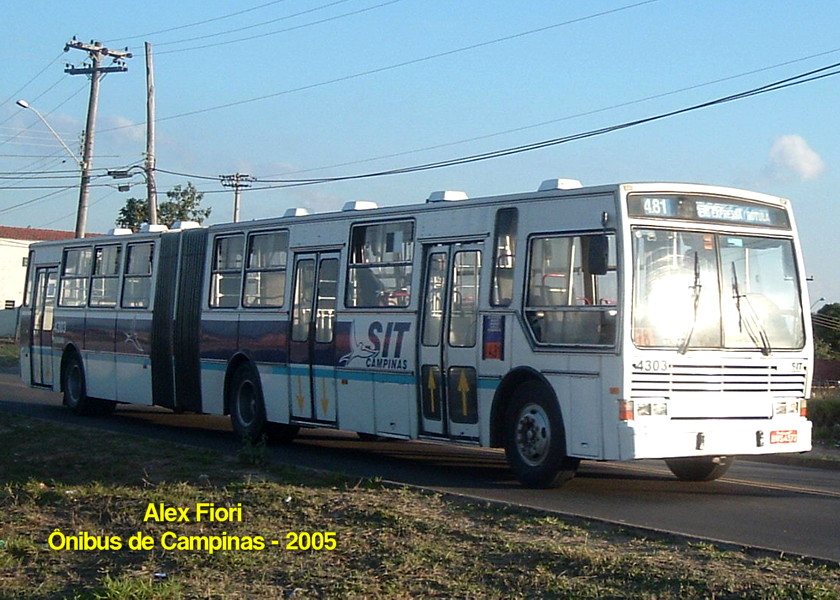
{"points": [[789, 509]]}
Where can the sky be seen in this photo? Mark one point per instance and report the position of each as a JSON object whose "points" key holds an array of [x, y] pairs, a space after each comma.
{"points": [[304, 89]]}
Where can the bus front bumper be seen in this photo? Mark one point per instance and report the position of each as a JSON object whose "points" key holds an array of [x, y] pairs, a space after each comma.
{"points": [[713, 437]]}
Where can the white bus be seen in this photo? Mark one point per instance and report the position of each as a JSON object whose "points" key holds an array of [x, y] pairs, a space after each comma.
{"points": [[615, 322]]}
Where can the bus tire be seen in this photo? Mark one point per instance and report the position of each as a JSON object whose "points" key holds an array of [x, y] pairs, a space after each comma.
{"points": [[700, 468], [535, 438], [247, 408], [74, 387]]}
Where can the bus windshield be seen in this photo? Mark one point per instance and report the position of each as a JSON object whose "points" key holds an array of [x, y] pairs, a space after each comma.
{"points": [[694, 290]]}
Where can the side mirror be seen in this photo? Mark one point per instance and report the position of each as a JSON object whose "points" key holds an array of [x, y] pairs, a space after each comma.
{"points": [[598, 254]]}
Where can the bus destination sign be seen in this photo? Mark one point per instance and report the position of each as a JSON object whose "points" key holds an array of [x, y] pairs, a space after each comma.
{"points": [[707, 208]]}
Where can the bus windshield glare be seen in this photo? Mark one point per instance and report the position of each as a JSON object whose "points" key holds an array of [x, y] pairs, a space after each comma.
{"points": [[694, 290]]}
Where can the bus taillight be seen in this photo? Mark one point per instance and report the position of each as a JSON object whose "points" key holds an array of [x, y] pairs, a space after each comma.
{"points": [[625, 410]]}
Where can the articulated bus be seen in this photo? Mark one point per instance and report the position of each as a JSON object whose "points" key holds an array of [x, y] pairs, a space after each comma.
{"points": [[619, 322]]}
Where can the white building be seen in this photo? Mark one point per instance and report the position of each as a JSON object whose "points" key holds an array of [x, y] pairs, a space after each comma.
{"points": [[14, 249]]}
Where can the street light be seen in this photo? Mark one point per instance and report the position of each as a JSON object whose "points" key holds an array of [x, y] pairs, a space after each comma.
{"points": [[25, 104], [81, 212]]}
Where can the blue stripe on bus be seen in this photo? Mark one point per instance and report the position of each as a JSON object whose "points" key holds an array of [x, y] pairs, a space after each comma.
{"points": [[488, 383], [301, 370]]}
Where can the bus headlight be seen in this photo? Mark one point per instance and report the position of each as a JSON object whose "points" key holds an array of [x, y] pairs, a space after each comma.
{"points": [[652, 409], [630, 409], [786, 407]]}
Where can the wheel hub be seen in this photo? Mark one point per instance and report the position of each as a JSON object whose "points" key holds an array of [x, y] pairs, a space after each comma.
{"points": [[533, 434]]}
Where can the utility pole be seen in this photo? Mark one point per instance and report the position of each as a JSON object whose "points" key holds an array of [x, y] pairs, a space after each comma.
{"points": [[237, 181], [151, 191], [96, 52]]}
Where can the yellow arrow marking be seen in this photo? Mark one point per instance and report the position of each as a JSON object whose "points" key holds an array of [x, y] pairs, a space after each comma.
{"points": [[325, 401], [300, 398], [432, 385], [464, 388]]}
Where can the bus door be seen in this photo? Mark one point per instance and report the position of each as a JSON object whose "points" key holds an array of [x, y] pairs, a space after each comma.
{"points": [[41, 331], [312, 341], [448, 352]]}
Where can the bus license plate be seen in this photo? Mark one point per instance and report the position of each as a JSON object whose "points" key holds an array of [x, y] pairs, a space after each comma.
{"points": [[787, 436]]}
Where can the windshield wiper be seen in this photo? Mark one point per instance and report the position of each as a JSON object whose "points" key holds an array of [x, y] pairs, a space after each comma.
{"points": [[760, 340], [696, 288]]}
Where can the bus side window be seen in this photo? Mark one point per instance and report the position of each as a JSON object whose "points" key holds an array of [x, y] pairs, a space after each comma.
{"points": [[379, 271], [567, 302], [504, 255], [105, 282], [137, 283], [265, 270], [226, 278], [75, 274]]}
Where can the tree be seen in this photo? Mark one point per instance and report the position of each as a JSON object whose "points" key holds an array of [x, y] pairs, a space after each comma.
{"points": [[827, 331], [134, 213], [183, 204]]}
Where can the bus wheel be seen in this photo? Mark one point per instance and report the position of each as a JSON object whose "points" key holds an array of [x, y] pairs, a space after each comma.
{"points": [[75, 390], [535, 439], [247, 410], [702, 468]]}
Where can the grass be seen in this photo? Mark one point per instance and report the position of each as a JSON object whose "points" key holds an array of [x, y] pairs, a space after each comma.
{"points": [[824, 412], [389, 542], [8, 353]]}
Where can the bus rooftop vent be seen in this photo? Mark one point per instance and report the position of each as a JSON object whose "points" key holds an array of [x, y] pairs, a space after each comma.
{"points": [[146, 228], [560, 184], [447, 196], [179, 225], [296, 212], [359, 205], [120, 231]]}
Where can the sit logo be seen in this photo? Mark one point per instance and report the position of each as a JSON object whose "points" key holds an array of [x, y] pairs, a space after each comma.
{"points": [[382, 348]]}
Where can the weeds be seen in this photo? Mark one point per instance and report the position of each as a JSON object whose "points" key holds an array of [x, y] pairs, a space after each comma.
{"points": [[253, 454], [389, 542]]}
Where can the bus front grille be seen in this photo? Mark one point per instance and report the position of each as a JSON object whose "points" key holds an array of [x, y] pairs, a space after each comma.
{"points": [[706, 379]]}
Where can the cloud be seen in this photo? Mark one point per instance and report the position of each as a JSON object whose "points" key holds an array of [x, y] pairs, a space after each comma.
{"points": [[123, 129], [792, 154]]}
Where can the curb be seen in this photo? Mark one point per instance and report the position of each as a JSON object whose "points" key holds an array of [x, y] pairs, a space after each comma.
{"points": [[818, 460]]}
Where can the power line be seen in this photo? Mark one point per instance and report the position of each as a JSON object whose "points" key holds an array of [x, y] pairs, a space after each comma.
{"points": [[288, 29], [53, 187], [34, 200], [36, 173], [14, 94], [825, 321], [809, 76], [48, 113], [263, 23], [567, 117], [400, 64], [39, 176], [144, 36], [806, 77]]}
